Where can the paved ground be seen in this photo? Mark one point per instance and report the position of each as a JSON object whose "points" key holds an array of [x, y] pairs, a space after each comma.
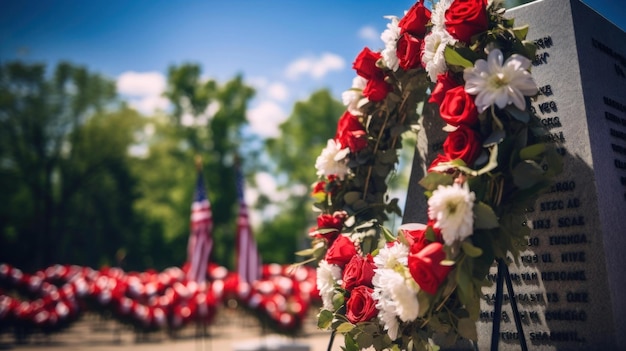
{"points": [[232, 331]]}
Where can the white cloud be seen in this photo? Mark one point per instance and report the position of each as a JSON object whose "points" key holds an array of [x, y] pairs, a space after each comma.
{"points": [[369, 33], [316, 67], [141, 83], [143, 90], [265, 118], [278, 91]]}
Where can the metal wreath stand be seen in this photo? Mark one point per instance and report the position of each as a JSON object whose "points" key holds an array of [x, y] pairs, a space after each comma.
{"points": [[503, 273]]}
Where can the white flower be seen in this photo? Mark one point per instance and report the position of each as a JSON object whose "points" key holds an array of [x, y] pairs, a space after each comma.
{"points": [[385, 304], [390, 38], [394, 289], [495, 83], [351, 97], [452, 209], [328, 275], [433, 57], [393, 256], [332, 160], [438, 15]]}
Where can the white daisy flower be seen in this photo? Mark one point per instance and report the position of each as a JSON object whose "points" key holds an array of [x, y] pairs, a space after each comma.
{"points": [[390, 37], [328, 275], [394, 289], [452, 209], [393, 256], [332, 160], [385, 304], [433, 57], [352, 97], [501, 84], [438, 15]]}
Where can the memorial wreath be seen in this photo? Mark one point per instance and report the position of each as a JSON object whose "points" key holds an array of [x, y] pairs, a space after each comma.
{"points": [[462, 61]]}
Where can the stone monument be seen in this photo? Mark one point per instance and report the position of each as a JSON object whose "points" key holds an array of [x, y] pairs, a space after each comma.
{"points": [[568, 284]]}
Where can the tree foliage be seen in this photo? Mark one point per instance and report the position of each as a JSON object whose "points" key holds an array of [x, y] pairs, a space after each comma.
{"points": [[206, 121], [302, 137], [64, 166]]}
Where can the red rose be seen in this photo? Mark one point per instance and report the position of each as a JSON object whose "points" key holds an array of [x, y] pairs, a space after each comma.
{"points": [[328, 221], [458, 107], [409, 51], [341, 251], [415, 20], [319, 187], [365, 64], [334, 220], [465, 18], [425, 267], [463, 143], [376, 90], [359, 271], [351, 133], [415, 234], [440, 158], [445, 82], [361, 307]]}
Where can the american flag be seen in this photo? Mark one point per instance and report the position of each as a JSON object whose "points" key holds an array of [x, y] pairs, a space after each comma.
{"points": [[200, 240], [248, 259]]}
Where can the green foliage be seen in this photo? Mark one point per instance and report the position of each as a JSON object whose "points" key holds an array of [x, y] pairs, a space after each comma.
{"points": [[74, 192], [65, 171], [303, 135], [168, 173]]}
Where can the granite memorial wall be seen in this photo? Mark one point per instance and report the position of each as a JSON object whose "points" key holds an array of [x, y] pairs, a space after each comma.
{"points": [[568, 282]]}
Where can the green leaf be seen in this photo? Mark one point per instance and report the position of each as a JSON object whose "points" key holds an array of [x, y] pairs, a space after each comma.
{"points": [[455, 59], [424, 300], [495, 137], [493, 161], [364, 340], [447, 263], [527, 174], [387, 156], [521, 32], [471, 250], [324, 319], [345, 327], [388, 235], [338, 300], [484, 217], [306, 252], [433, 179], [350, 344], [430, 234], [351, 197], [467, 329], [532, 152], [522, 116], [530, 49]]}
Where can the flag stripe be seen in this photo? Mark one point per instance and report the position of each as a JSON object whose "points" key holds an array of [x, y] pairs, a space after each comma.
{"points": [[200, 240], [248, 260]]}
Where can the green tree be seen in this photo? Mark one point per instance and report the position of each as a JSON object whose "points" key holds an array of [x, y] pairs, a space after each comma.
{"points": [[207, 121], [64, 171], [303, 135]]}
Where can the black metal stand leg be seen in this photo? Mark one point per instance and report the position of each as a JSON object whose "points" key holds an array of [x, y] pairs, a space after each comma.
{"points": [[503, 273], [516, 315], [497, 312], [330, 342]]}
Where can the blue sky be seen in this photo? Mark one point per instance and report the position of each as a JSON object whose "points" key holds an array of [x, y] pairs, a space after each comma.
{"points": [[284, 48]]}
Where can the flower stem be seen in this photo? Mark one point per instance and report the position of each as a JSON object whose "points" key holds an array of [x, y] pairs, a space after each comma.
{"points": [[369, 169]]}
